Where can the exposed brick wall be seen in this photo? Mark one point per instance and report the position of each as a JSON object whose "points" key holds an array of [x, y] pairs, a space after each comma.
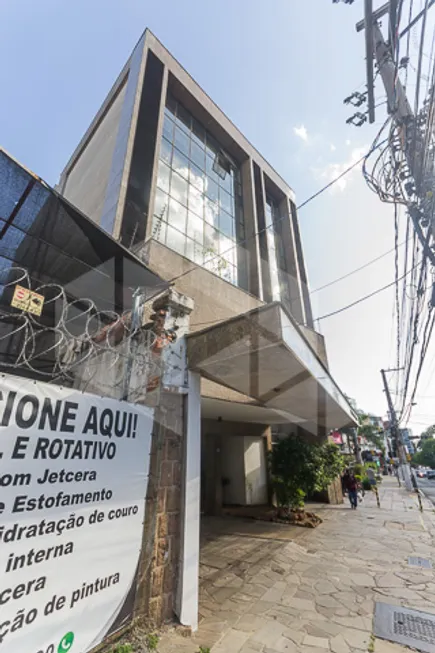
{"points": [[161, 544]]}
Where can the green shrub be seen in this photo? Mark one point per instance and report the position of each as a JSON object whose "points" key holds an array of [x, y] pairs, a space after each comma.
{"points": [[366, 483], [358, 477], [358, 469], [152, 641], [299, 468], [123, 648]]}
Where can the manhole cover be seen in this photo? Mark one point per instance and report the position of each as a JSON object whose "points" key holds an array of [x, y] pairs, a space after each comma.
{"points": [[408, 627], [419, 562]]}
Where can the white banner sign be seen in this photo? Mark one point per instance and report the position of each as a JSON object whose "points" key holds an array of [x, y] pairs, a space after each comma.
{"points": [[73, 476]]}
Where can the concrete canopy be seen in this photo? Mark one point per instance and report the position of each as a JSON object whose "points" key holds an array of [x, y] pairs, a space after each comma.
{"points": [[264, 355]]}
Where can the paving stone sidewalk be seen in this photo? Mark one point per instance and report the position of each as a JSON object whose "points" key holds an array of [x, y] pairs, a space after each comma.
{"points": [[316, 593]]}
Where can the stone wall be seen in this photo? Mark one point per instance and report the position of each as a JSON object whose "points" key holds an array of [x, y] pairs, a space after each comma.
{"points": [[162, 527]]}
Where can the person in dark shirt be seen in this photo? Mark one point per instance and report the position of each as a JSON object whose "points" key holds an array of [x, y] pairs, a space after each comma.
{"points": [[352, 490]]}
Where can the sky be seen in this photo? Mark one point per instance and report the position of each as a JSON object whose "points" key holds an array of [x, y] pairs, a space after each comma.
{"points": [[280, 70]]}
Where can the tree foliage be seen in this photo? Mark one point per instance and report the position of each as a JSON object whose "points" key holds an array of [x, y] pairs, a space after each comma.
{"points": [[370, 432], [300, 468], [428, 433], [426, 456]]}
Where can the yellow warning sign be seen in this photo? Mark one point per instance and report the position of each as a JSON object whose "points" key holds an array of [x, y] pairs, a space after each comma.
{"points": [[27, 300]]}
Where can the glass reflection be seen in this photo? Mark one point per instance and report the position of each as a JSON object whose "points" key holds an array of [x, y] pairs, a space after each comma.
{"points": [[163, 176], [181, 141], [195, 207], [179, 188], [175, 240], [180, 164], [177, 215]]}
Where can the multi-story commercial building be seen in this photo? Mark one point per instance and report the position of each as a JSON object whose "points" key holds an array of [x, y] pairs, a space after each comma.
{"points": [[163, 170]]}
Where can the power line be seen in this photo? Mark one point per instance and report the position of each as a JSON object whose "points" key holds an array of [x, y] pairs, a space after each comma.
{"points": [[334, 181], [362, 267], [362, 299], [345, 276], [258, 233]]}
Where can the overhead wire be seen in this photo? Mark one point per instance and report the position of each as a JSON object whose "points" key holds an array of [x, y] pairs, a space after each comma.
{"points": [[266, 228], [361, 299]]}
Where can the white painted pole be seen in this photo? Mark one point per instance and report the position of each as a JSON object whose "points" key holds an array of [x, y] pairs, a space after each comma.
{"points": [[188, 588]]}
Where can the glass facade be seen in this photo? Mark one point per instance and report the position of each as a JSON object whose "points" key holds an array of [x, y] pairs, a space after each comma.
{"points": [[278, 263], [198, 209]]}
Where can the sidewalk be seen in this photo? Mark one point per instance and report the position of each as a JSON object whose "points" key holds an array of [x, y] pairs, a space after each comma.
{"points": [[316, 594]]}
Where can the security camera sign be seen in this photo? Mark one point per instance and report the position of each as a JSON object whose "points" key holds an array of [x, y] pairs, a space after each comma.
{"points": [[28, 301], [73, 477]]}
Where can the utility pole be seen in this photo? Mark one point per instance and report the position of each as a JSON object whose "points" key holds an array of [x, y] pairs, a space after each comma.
{"points": [[397, 436], [356, 447], [411, 139]]}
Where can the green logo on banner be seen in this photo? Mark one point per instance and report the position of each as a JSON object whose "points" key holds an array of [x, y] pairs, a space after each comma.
{"points": [[66, 643]]}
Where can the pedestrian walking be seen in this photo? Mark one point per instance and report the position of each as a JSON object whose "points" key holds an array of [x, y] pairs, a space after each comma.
{"points": [[344, 480], [371, 476], [352, 490]]}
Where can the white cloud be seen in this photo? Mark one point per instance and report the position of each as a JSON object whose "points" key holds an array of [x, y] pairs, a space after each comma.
{"points": [[348, 142], [301, 132], [334, 170], [333, 148]]}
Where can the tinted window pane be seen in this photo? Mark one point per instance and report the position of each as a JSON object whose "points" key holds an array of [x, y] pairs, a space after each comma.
{"points": [[227, 183], [198, 133], [226, 224], [197, 155], [226, 246], [196, 201], [175, 240], [211, 239], [211, 212], [209, 169], [181, 141], [228, 250], [177, 215], [194, 251], [180, 164], [161, 204], [205, 207], [231, 274], [168, 128], [163, 176], [196, 176], [166, 151], [212, 148], [159, 229], [183, 118], [211, 189], [179, 188], [226, 202], [195, 228], [171, 104]]}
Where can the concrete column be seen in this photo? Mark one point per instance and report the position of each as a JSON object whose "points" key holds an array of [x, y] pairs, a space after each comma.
{"points": [[131, 102], [149, 229], [267, 443], [260, 203], [302, 274], [290, 276], [188, 582], [251, 250]]}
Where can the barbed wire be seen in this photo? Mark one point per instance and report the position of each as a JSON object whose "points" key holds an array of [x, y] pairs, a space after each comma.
{"points": [[74, 342]]}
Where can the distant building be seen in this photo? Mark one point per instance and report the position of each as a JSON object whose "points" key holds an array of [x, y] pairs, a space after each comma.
{"points": [[407, 440]]}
